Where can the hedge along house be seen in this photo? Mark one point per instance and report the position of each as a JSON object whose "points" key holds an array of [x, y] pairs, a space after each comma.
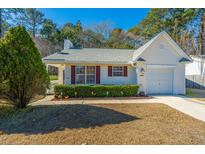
{"points": [[158, 66]]}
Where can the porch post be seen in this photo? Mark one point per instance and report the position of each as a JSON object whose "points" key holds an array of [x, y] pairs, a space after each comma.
{"points": [[47, 67], [61, 74]]}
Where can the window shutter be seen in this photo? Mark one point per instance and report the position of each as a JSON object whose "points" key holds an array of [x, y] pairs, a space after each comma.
{"points": [[109, 70], [72, 74], [97, 74], [125, 70]]}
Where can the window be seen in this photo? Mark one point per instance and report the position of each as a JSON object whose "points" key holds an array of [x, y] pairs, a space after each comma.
{"points": [[90, 76], [117, 71], [80, 74], [85, 74]]}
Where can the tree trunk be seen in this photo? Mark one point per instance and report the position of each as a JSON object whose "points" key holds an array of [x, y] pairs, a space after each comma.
{"points": [[22, 103], [201, 36], [34, 31], [34, 25], [1, 22]]}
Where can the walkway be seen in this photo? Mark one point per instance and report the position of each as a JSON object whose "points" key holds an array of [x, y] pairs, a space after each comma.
{"points": [[181, 103]]}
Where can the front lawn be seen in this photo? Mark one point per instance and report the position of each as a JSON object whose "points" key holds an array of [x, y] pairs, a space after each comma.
{"points": [[100, 124], [53, 77]]}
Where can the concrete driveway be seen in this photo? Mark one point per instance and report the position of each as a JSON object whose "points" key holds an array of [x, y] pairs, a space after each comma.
{"points": [[181, 103]]}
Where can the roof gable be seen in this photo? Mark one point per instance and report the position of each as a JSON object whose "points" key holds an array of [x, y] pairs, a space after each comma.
{"points": [[163, 35]]}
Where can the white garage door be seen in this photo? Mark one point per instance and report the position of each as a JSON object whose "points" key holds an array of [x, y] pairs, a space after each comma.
{"points": [[159, 81]]}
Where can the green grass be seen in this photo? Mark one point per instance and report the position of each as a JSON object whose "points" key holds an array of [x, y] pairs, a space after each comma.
{"points": [[53, 77], [189, 93]]}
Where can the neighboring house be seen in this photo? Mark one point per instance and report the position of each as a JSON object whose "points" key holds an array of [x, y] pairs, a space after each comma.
{"points": [[158, 66], [195, 73], [197, 67]]}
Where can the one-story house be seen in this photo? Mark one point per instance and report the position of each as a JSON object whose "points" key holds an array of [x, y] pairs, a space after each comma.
{"points": [[158, 66]]}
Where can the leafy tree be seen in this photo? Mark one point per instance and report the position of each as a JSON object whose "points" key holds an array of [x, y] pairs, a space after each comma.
{"points": [[58, 38], [199, 25], [134, 30], [117, 45], [8, 17], [188, 42], [73, 32], [178, 22], [1, 22], [119, 39], [48, 29], [104, 28], [92, 39], [153, 23], [23, 75], [4, 58], [174, 21], [33, 19]]}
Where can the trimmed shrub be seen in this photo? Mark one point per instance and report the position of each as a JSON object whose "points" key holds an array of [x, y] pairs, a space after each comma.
{"points": [[63, 90], [96, 90]]}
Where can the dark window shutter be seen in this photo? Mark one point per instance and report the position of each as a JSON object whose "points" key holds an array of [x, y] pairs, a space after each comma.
{"points": [[125, 70], [109, 70], [72, 74], [97, 74]]}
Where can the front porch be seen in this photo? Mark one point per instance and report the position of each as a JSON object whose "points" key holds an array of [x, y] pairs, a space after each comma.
{"points": [[60, 72]]}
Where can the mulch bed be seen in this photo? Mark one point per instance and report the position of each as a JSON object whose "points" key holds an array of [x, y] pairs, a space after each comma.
{"points": [[100, 98]]}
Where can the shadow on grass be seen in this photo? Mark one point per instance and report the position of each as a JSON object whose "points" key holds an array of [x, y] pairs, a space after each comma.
{"points": [[48, 118]]}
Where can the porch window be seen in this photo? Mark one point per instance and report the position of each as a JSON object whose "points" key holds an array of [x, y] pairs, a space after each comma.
{"points": [[117, 71], [85, 75]]}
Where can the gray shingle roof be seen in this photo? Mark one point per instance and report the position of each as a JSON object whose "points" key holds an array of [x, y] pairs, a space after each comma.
{"points": [[107, 56], [92, 55]]}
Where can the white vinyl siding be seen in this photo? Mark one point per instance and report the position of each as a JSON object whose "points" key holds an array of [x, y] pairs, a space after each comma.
{"points": [[131, 77]]}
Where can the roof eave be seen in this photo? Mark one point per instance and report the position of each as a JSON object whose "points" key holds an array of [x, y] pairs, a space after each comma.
{"points": [[84, 62], [185, 60]]}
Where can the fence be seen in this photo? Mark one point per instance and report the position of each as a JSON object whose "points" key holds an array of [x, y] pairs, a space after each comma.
{"points": [[195, 81]]}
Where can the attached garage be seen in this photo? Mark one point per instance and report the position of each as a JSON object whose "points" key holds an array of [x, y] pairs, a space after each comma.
{"points": [[160, 66], [159, 80]]}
